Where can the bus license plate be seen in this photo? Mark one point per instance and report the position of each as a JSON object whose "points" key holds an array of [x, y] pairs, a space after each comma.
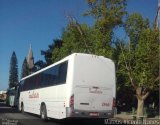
{"points": [[94, 114]]}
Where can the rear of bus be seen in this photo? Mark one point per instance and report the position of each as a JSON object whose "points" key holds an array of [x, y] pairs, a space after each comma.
{"points": [[93, 87]]}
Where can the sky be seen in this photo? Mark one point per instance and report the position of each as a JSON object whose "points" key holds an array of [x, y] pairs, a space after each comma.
{"points": [[38, 22]]}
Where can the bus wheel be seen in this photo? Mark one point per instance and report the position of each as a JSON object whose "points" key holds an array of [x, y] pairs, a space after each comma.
{"points": [[22, 108], [43, 113]]}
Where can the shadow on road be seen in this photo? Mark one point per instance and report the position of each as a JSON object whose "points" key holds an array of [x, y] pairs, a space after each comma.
{"points": [[65, 122], [84, 122], [7, 109], [31, 119], [80, 122]]}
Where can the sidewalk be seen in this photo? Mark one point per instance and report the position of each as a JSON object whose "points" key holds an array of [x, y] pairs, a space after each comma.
{"points": [[123, 116], [129, 116]]}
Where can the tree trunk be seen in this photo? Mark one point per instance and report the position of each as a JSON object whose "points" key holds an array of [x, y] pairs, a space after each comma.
{"points": [[141, 94], [140, 107]]}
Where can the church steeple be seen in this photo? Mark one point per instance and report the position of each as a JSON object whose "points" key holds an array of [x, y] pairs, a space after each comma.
{"points": [[30, 58]]}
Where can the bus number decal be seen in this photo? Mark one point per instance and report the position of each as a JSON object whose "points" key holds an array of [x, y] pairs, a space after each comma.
{"points": [[105, 104]]}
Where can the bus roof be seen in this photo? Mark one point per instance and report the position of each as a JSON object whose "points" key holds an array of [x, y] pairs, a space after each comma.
{"points": [[62, 60]]}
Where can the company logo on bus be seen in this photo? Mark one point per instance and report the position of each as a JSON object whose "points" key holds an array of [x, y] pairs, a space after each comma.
{"points": [[95, 90], [34, 95]]}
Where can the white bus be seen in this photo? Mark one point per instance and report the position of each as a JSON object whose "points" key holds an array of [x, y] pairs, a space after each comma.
{"points": [[80, 85]]}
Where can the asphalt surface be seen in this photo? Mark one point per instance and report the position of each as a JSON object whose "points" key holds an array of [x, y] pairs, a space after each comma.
{"points": [[11, 116]]}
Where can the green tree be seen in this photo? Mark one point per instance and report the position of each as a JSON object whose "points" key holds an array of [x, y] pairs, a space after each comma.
{"points": [[142, 65], [124, 101], [147, 65], [75, 39], [143, 69], [134, 24], [25, 70], [39, 65], [57, 43], [96, 39], [108, 15], [13, 72]]}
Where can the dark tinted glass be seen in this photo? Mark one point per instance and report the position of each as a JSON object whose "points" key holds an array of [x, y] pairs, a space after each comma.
{"points": [[53, 76]]}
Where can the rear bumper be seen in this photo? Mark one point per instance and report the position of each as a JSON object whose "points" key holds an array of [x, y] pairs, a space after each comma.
{"points": [[87, 114]]}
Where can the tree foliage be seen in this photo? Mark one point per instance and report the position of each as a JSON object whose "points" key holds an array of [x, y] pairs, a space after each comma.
{"points": [[57, 43], [25, 70], [95, 39], [13, 72], [39, 65], [147, 59], [134, 24], [75, 39], [137, 61], [139, 58], [108, 13]]}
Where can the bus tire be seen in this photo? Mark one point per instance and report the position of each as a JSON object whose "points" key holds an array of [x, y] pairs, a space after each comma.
{"points": [[22, 108], [43, 112]]}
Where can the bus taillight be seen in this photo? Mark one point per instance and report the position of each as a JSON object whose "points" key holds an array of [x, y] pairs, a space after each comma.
{"points": [[71, 103], [114, 103]]}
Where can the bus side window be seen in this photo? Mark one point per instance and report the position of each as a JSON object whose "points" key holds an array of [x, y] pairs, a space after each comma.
{"points": [[37, 81], [50, 76], [63, 72], [47, 77], [55, 75], [30, 83], [24, 85], [42, 79]]}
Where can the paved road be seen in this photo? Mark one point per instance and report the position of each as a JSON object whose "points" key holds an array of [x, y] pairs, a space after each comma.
{"points": [[11, 115]]}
